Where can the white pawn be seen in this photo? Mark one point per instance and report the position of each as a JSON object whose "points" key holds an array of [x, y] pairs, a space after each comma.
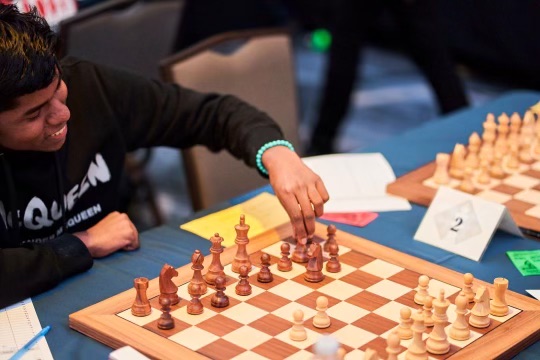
{"points": [[460, 328], [422, 289], [321, 320], [326, 347], [371, 354], [428, 313], [441, 175], [404, 328], [457, 162], [393, 348], [480, 312], [298, 332], [417, 348], [468, 279]]}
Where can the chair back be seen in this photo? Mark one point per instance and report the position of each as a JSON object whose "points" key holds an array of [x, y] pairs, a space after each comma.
{"points": [[258, 67], [131, 34]]}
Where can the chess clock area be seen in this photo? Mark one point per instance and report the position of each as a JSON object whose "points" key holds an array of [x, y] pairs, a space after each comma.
{"points": [[271, 298]]}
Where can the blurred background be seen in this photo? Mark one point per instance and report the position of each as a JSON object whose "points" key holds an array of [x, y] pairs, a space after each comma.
{"points": [[491, 46]]}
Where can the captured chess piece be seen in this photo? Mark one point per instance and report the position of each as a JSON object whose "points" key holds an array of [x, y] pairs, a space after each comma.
{"points": [[480, 312], [333, 265], [220, 299], [285, 263], [165, 321], [243, 287], [498, 306], [264, 275], [315, 264], [460, 327], [241, 258], [422, 289], [457, 162], [141, 305], [321, 320], [215, 268], [405, 323], [197, 266], [441, 175], [166, 286], [298, 331]]}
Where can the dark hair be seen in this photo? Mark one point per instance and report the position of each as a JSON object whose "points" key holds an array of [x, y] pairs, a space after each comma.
{"points": [[27, 54]]}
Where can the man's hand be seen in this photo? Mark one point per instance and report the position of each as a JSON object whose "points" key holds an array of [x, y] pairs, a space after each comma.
{"points": [[301, 192], [112, 233]]}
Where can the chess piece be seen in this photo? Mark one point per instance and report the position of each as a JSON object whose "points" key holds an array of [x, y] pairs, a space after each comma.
{"points": [[457, 162], [321, 320], [392, 345], [421, 290], [315, 264], [197, 266], [219, 299], [298, 332], [326, 347], [195, 306], [243, 287], [437, 342], [460, 327], [468, 279], [496, 170], [333, 265], [484, 177], [166, 286], [141, 305], [526, 138], [512, 162], [498, 306], [480, 312], [241, 258], [285, 264], [428, 311], [404, 328], [471, 160], [466, 184], [300, 252], [215, 268], [371, 354], [490, 131], [501, 143], [417, 348], [515, 126], [165, 321], [264, 275], [330, 237], [441, 175]]}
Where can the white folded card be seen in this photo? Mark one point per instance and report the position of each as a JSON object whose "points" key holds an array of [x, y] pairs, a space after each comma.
{"points": [[463, 223]]}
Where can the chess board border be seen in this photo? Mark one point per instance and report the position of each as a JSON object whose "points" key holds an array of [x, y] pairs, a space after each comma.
{"points": [[100, 322], [411, 187]]}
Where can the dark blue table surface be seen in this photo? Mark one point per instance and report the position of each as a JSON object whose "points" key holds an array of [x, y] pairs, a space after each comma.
{"points": [[169, 244]]}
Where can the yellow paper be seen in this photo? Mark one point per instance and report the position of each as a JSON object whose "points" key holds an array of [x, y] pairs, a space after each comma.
{"points": [[262, 213]]}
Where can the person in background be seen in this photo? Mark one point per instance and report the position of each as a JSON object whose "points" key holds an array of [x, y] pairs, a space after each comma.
{"points": [[422, 38], [65, 128]]}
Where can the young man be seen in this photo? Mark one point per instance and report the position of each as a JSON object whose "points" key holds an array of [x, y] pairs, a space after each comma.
{"points": [[61, 155]]}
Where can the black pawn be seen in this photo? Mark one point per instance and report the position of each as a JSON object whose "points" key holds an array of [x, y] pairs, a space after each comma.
{"points": [[333, 265], [165, 321], [195, 307], [264, 275], [243, 288], [285, 263], [220, 300]]}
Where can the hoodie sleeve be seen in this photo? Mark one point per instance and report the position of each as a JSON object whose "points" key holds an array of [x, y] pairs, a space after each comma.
{"points": [[152, 113], [40, 267]]}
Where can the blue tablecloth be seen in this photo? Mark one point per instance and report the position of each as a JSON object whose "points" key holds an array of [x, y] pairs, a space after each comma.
{"points": [[169, 244]]}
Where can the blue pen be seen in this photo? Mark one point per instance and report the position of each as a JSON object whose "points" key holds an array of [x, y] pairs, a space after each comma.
{"points": [[19, 354]]}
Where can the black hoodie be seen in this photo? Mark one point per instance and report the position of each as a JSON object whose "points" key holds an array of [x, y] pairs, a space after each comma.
{"points": [[59, 193]]}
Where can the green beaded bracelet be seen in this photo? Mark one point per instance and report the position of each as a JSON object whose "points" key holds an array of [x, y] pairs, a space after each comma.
{"points": [[268, 145]]}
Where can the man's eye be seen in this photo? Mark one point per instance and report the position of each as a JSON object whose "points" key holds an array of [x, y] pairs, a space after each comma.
{"points": [[33, 117]]}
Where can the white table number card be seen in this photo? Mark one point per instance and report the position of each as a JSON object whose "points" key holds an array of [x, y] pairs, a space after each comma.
{"points": [[463, 223]]}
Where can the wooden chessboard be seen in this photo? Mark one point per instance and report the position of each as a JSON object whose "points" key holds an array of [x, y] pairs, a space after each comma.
{"points": [[519, 192], [365, 300]]}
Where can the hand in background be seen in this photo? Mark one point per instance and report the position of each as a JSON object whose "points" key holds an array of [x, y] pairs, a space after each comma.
{"points": [[301, 192], [112, 233]]}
